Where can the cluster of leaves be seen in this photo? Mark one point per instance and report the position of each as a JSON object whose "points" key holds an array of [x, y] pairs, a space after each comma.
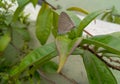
{"points": [[14, 36], [112, 16], [92, 49]]}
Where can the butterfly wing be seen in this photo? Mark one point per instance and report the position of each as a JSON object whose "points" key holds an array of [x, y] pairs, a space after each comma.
{"points": [[65, 24]]}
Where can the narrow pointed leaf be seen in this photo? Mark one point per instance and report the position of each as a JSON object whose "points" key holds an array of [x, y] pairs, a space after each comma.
{"points": [[21, 5], [22, 2], [55, 24], [34, 2], [87, 20], [65, 47], [36, 57], [97, 71], [44, 24], [104, 16], [110, 42], [100, 44], [78, 10]]}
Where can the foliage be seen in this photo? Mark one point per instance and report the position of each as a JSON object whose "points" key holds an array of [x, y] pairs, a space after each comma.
{"points": [[112, 16], [25, 66]]}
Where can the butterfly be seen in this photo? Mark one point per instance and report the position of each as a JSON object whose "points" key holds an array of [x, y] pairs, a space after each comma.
{"points": [[65, 24]]}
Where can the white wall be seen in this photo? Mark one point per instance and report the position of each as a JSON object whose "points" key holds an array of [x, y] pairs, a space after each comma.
{"points": [[90, 5]]}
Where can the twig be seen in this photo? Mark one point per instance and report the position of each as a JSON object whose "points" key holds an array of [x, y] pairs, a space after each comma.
{"points": [[100, 57], [71, 80], [88, 33], [117, 61], [45, 77]]}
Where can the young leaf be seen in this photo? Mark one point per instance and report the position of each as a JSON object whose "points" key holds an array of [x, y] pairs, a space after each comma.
{"points": [[65, 47], [39, 55], [104, 16], [97, 71], [4, 41], [44, 24], [78, 9], [87, 20]]}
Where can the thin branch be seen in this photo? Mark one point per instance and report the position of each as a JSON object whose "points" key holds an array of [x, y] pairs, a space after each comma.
{"points": [[45, 77], [112, 60], [100, 57], [71, 80], [88, 33]]}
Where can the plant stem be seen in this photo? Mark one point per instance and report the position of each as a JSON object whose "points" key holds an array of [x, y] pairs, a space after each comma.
{"points": [[88, 33], [116, 61]]}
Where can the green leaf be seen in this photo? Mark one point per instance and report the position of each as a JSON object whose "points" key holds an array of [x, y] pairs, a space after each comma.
{"points": [[99, 44], [109, 18], [50, 67], [109, 42], [40, 55], [22, 4], [78, 51], [65, 47], [4, 41], [44, 24], [78, 10], [97, 71], [87, 20], [55, 24], [104, 16], [34, 2]]}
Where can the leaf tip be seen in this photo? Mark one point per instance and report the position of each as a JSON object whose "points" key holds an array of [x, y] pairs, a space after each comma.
{"points": [[61, 63]]}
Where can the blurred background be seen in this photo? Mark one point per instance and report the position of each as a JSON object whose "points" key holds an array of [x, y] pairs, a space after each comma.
{"points": [[89, 5]]}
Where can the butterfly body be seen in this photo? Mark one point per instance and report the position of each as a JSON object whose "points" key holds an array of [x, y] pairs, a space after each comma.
{"points": [[65, 24]]}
